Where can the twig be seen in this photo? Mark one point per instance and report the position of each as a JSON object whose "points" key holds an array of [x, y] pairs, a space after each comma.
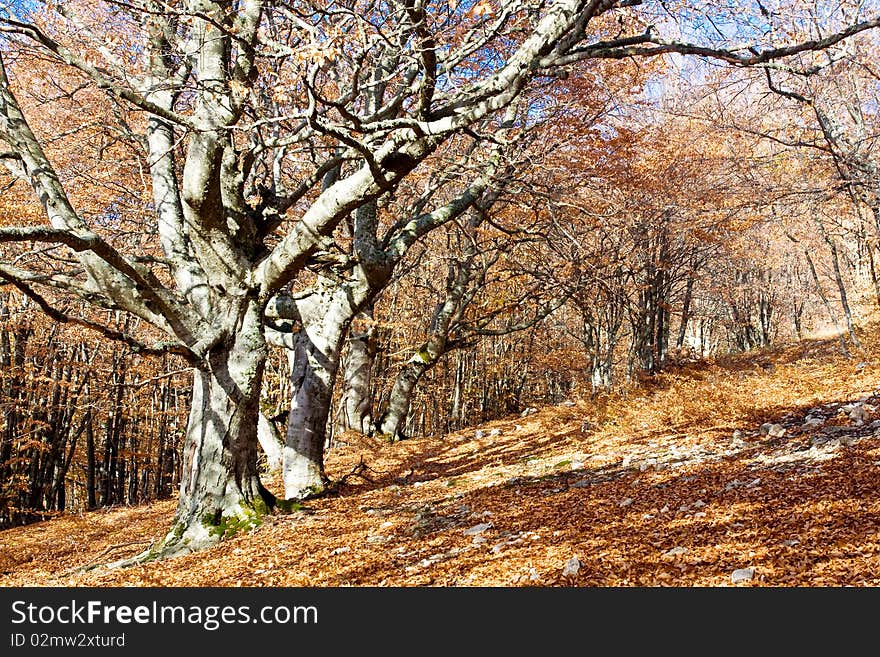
{"points": [[357, 471], [108, 550]]}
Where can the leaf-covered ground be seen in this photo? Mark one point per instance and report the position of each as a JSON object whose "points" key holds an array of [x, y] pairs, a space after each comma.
{"points": [[675, 484]]}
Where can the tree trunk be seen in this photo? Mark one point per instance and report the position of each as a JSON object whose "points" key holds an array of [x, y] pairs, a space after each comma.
{"points": [[393, 420], [357, 400], [875, 213], [873, 270], [843, 347], [314, 362], [765, 319], [220, 490], [685, 309], [91, 498], [159, 483], [844, 301], [601, 374], [113, 435], [797, 311], [271, 441], [460, 279], [11, 360], [314, 356]]}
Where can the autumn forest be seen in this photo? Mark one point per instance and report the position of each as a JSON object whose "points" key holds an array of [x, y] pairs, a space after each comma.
{"points": [[492, 286]]}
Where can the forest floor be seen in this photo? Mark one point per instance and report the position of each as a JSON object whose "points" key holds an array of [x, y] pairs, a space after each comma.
{"points": [[676, 483]]}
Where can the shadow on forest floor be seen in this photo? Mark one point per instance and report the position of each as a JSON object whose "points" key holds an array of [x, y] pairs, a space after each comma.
{"points": [[674, 483]]}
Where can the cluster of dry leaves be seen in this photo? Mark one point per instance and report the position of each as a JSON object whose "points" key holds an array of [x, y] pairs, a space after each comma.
{"points": [[674, 484]]}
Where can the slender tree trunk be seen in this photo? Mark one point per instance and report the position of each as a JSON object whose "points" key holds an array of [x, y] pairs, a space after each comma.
{"points": [[60, 492], [112, 436], [797, 310], [662, 341], [685, 310], [765, 319], [844, 300], [158, 485], [10, 386], [393, 421], [601, 375], [825, 302], [91, 497], [459, 278], [456, 411], [873, 269]]}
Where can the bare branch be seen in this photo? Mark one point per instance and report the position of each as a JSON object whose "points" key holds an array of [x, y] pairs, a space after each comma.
{"points": [[649, 45], [96, 75], [135, 345]]}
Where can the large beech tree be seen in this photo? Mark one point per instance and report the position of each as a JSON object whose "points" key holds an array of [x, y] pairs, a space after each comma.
{"points": [[265, 127]]}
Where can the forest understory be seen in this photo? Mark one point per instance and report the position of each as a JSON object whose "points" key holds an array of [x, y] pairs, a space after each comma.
{"points": [[759, 469]]}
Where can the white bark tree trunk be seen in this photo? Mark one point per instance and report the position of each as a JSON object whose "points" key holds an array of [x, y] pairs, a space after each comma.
{"points": [[271, 442], [314, 362], [311, 375], [393, 421], [220, 490], [357, 400]]}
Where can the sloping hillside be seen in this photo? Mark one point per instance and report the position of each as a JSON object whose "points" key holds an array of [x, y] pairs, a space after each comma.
{"points": [[761, 470]]}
